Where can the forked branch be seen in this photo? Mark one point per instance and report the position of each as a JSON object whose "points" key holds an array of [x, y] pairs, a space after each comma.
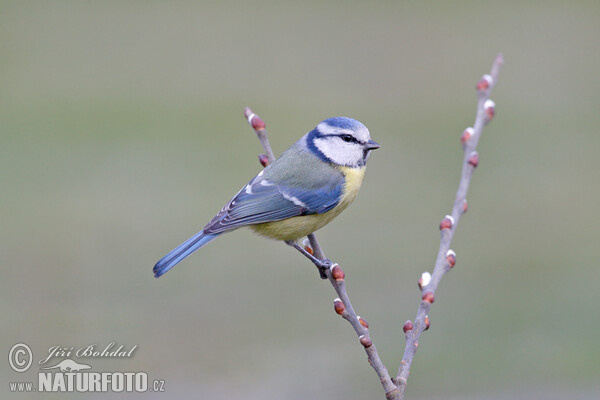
{"points": [[333, 272], [446, 258]]}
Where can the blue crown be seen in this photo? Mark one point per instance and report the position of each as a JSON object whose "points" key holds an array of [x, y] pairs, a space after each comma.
{"points": [[344, 123]]}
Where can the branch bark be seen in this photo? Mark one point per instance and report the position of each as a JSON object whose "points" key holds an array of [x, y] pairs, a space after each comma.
{"points": [[446, 258], [333, 273]]}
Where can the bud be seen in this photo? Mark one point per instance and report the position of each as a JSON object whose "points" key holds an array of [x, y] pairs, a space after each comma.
{"points": [[465, 206], [253, 119], [490, 109], [424, 280], [427, 322], [306, 244], [263, 159], [363, 322], [408, 326], [337, 273], [451, 258], [339, 306], [428, 297], [466, 135], [447, 222], [485, 82], [365, 341], [473, 159]]}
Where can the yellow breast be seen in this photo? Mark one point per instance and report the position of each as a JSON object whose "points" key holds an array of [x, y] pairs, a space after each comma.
{"points": [[297, 227], [353, 181]]}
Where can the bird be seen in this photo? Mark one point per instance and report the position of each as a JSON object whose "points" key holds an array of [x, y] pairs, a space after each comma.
{"points": [[311, 183]]}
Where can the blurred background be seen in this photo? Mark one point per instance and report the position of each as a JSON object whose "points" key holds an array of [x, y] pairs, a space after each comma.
{"points": [[122, 134]]}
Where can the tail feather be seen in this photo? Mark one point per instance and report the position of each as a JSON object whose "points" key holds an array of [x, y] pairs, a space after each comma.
{"points": [[177, 255]]}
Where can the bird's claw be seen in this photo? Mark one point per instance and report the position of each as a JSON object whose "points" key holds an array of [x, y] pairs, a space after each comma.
{"points": [[322, 265]]}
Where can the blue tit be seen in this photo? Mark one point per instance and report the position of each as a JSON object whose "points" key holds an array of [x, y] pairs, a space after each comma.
{"points": [[300, 192]]}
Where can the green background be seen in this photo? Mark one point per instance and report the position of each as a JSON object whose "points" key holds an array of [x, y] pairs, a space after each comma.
{"points": [[122, 134]]}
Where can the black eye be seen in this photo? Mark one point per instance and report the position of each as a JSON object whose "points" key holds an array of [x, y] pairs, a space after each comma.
{"points": [[347, 138]]}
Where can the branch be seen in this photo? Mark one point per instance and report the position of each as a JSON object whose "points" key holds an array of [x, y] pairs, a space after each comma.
{"points": [[446, 258], [259, 127], [333, 272]]}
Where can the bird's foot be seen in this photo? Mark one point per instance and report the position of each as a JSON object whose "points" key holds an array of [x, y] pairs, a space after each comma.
{"points": [[322, 265]]}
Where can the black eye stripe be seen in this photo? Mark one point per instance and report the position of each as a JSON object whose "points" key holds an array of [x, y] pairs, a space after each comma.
{"points": [[348, 138]]}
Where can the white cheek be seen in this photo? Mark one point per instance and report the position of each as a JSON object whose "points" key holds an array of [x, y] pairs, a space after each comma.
{"points": [[339, 152], [363, 135]]}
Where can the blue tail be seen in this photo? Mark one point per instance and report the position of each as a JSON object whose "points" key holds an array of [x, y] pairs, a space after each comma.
{"points": [[176, 255]]}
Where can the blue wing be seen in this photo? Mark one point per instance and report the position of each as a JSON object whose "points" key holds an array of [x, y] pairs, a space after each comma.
{"points": [[263, 201], [297, 183], [259, 201]]}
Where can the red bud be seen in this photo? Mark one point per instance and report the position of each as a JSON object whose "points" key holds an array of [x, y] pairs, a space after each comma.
{"points": [[257, 123], [427, 322], [484, 83], [263, 159], [428, 297], [339, 306], [363, 322], [254, 120], [490, 109], [307, 247], [365, 341], [451, 258], [474, 159], [447, 222], [466, 135], [424, 280], [337, 273], [408, 326]]}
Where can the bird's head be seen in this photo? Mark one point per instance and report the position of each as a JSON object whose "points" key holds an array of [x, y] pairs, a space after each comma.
{"points": [[342, 141]]}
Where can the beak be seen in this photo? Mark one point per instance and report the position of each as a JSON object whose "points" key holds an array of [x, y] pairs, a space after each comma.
{"points": [[372, 145]]}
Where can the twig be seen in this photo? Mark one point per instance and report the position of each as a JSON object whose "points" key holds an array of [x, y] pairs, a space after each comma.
{"points": [[259, 127], [446, 258], [333, 272]]}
